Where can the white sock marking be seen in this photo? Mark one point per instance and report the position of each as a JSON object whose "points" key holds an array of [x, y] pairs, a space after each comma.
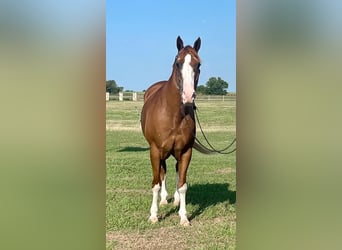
{"points": [[163, 192], [182, 208], [188, 75], [154, 206]]}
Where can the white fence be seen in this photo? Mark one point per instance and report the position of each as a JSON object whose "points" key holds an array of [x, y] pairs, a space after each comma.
{"points": [[139, 96], [221, 98]]}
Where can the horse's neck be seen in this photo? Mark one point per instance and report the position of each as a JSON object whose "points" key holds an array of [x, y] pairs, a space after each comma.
{"points": [[172, 88], [173, 92]]}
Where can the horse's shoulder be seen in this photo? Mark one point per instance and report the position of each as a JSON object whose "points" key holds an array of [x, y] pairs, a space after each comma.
{"points": [[153, 89]]}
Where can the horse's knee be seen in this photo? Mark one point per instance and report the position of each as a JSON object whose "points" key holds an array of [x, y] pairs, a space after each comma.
{"points": [[156, 187], [183, 188]]}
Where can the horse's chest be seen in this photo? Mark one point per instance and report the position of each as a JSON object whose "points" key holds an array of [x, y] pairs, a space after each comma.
{"points": [[181, 135], [174, 145]]}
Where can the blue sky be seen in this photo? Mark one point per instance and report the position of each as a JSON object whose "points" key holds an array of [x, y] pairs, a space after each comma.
{"points": [[141, 39]]}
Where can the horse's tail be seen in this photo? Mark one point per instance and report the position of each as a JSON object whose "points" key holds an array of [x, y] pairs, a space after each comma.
{"points": [[200, 148]]}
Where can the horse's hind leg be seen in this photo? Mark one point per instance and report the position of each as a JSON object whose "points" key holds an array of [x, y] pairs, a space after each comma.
{"points": [[176, 195], [163, 192], [155, 162]]}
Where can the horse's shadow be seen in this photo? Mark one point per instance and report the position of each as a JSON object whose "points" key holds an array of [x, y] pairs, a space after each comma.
{"points": [[133, 149], [203, 196], [209, 194]]}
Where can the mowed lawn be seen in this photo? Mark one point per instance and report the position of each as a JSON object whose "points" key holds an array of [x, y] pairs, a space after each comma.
{"points": [[211, 179]]}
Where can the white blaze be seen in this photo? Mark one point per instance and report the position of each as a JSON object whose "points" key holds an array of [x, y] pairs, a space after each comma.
{"points": [[188, 80]]}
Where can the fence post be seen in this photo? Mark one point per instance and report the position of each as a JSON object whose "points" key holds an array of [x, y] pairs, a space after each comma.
{"points": [[107, 96], [120, 96], [134, 96]]}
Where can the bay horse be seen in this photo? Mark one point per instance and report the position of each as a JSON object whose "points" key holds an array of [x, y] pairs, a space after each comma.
{"points": [[168, 124]]}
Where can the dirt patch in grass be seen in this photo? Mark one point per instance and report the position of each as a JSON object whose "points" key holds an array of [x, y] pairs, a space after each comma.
{"points": [[199, 235], [225, 170], [161, 238], [129, 191], [136, 127], [122, 125]]}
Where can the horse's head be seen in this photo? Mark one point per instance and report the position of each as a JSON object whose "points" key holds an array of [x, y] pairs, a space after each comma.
{"points": [[187, 66]]}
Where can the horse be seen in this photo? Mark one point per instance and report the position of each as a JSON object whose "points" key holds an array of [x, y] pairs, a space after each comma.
{"points": [[168, 125]]}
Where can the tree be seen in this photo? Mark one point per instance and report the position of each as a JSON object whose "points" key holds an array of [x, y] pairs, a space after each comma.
{"points": [[214, 86], [201, 89], [112, 87]]}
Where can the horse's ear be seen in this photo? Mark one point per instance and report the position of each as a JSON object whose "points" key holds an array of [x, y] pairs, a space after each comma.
{"points": [[179, 43], [197, 44]]}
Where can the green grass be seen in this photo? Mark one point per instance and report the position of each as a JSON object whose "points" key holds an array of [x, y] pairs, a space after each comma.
{"points": [[211, 185]]}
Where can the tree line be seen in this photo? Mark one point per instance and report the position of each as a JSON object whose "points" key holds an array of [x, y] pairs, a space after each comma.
{"points": [[214, 86], [112, 87]]}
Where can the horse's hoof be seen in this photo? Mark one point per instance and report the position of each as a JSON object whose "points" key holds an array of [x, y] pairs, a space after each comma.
{"points": [[176, 203], [153, 219], [163, 203], [185, 222]]}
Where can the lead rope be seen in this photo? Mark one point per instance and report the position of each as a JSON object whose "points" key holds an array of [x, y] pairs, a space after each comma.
{"points": [[212, 149]]}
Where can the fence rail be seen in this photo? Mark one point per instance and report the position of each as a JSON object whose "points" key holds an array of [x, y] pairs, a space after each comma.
{"points": [[136, 96]]}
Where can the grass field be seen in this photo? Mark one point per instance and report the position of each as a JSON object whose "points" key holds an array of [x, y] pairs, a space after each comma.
{"points": [[211, 181]]}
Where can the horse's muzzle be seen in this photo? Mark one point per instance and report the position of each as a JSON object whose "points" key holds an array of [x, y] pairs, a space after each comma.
{"points": [[188, 98]]}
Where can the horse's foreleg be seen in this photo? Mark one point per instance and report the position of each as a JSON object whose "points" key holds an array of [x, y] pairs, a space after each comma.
{"points": [[182, 186], [155, 162], [182, 207], [163, 192], [154, 207]]}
